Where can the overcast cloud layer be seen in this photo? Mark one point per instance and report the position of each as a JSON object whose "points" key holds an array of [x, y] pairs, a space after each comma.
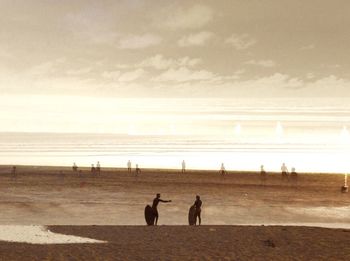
{"points": [[139, 48]]}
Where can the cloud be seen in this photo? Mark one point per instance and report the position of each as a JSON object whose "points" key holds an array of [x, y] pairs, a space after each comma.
{"points": [[160, 63], [241, 41], [112, 75], [131, 76], [139, 41], [79, 71], [307, 47], [45, 68], [262, 63], [197, 39], [193, 18], [123, 76], [310, 75], [183, 74]]}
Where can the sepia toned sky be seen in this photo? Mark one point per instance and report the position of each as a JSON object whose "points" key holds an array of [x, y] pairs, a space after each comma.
{"points": [[163, 48]]}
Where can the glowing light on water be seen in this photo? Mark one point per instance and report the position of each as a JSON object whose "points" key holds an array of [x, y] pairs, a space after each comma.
{"points": [[238, 129], [279, 130], [345, 135], [172, 129], [132, 130]]}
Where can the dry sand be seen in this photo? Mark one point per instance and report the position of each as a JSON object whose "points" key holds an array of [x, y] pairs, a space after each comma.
{"points": [[57, 196]]}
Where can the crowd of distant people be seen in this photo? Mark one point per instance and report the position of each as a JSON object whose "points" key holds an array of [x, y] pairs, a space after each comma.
{"points": [[286, 176]]}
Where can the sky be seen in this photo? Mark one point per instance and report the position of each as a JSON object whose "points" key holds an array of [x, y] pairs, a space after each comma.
{"points": [[174, 49]]}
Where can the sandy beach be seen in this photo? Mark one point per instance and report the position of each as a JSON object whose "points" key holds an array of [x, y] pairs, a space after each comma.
{"points": [[190, 243], [110, 207], [57, 196]]}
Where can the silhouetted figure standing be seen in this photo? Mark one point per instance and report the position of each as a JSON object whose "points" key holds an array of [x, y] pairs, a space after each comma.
{"points": [[155, 205], [137, 170], [294, 177], [98, 168], [183, 164], [75, 167], [129, 166], [284, 171], [14, 172], [93, 169], [198, 206], [222, 170], [263, 175]]}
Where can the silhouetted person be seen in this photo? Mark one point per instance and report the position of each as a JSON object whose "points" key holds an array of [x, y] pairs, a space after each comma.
{"points": [[138, 170], [98, 167], [183, 164], [284, 171], [155, 205], [129, 166], [198, 206], [263, 175], [14, 172], [75, 167], [222, 169], [93, 169], [294, 177]]}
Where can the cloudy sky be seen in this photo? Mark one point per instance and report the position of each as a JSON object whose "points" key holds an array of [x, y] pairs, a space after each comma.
{"points": [[163, 48]]}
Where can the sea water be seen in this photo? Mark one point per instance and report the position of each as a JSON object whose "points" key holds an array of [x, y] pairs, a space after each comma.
{"points": [[309, 134]]}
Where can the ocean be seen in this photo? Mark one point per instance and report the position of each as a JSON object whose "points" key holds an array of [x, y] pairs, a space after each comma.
{"points": [[310, 135]]}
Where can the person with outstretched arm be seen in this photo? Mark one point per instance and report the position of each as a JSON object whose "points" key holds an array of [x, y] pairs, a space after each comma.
{"points": [[155, 205], [198, 206]]}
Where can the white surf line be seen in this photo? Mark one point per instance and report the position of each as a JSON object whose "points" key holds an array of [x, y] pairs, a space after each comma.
{"points": [[39, 235]]}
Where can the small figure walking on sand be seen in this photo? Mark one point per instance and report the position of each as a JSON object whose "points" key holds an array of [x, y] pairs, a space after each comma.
{"points": [[156, 201], [284, 171], [137, 170], [263, 175], [14, 172], [294, 177], [222, 170], [198, 206], [93, 169], [75, 167], [98, 168], [183, 165], [129, 166]]}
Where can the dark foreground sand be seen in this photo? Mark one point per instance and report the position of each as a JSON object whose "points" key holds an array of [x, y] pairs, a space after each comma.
{"points": [[190, 243]]}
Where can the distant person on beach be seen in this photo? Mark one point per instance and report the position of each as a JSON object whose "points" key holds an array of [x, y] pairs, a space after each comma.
{"points": [[14, 172], [198, 206], [284, 171], [75, 167], [222, 170], [294, 177], [138, 170], [129, 166], [98, 167], [263, 175], [93, 169], [183, 164], [155, 205]]}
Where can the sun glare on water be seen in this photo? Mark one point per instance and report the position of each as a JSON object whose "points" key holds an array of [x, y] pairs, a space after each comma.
{"points": [[162, 132]]}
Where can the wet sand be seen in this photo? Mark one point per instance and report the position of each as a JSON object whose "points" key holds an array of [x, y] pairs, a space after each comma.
{"points": [[74, 205], [57, 196]]}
